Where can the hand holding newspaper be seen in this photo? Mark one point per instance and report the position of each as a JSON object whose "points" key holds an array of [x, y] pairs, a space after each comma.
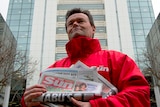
{"points": [[79, 81]]}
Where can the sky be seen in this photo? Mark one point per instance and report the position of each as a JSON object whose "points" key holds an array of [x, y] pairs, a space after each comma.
{"points": [[4, 7]]}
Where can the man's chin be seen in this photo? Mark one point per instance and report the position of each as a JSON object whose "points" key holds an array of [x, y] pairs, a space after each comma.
{"points": [[78, 36]]}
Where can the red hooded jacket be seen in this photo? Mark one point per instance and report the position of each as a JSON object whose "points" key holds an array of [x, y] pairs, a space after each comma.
{"points": [[118, 68]]}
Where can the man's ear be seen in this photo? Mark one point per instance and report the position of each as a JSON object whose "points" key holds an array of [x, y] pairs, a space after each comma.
{"points": [[94, 30]]}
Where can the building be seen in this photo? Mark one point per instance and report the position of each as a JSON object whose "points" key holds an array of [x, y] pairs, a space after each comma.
{"points": [[7, 51], [153, 49], [141, 17]]}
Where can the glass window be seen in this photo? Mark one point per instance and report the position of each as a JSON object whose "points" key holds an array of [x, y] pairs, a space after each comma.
{"points": [[136, 15], [23, 28], [139, 38], [26, 5], [17, 1], [15, 17], [143, 3], [23, 34], [16, 5], [21, 46], [147, 26], [99, 17], [15, 33], [60, 55], [14, 22], [16, 11], [9, 11], [144, 9], [27, 1], [146, 31], [60, 30], [25, 16], [134, 4], [135, 9], [137, 26], [30, 28], [22, 40], [26, 11], [24, 22], [60, 18], [145, 14], [101, 29], [146, 20], [14, 28], [136, 20], [139, 32], [85, 6], [103, 42], [140, 45], [61, 43]]}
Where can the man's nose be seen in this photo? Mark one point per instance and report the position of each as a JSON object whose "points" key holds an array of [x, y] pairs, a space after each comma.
{"points": [[75, 23]]}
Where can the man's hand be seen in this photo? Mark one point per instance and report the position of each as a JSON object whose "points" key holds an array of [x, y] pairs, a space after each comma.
{"points": [[80, 103], [33, 92]]}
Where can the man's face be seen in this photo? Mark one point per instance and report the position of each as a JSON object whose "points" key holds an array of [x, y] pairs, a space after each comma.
{"points": [[78, 25]]}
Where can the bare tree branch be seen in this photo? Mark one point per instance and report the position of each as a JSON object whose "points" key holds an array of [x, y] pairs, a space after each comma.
{"points": [[152, 63], [15, 67]]}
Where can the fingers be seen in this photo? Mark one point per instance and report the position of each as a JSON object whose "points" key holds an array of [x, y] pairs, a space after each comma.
{"points": [[32, 104], [76, 102], [33, 92], [35, 89], [80, 103]]}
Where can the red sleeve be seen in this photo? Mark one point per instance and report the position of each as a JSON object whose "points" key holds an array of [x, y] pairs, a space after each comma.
{"points": [[133, 88], [22, 102]]}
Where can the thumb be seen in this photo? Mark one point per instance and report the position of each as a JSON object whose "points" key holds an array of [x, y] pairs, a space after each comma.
{"points": [[76, 102]]}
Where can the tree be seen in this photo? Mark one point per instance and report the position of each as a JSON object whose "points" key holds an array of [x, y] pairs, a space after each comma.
{"points": [[152, 63], [151, 71], [14, 68]]}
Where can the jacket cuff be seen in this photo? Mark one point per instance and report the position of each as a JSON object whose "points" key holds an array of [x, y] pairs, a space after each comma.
{"points": [[22, 102]]}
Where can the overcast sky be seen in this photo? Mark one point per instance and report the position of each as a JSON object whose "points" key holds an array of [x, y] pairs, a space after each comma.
{"points": [[4, 7]]}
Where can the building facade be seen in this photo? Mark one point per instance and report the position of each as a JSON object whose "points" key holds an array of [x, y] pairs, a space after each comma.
{"points": [[153, 49], [141, 17], [7, 51]]}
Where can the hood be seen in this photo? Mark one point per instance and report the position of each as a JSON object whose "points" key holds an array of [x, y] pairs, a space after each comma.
{"points": [[81, 47]]}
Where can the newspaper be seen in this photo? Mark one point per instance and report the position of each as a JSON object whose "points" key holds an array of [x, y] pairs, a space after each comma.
{"points": [[62, 88], [64, 83], [92, 74]]}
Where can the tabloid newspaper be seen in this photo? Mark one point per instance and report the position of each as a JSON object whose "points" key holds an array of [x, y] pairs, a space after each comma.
{"points": [[79, 81]]}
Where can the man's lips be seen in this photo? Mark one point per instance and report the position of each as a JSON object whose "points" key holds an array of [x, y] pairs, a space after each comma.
{"points": [[75, 29]]}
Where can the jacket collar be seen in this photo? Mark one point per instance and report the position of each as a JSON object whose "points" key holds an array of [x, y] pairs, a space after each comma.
{"points": [[82, 47]]}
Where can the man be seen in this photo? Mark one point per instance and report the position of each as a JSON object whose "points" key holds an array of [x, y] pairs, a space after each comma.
{"points": [[133, 89]]}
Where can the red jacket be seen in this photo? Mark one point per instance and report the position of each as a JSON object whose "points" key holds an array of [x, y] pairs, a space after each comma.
{"points": [[118, 68]]}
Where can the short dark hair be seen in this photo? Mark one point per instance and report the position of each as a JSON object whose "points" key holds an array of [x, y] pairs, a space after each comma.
{"points": [[79, 10]]}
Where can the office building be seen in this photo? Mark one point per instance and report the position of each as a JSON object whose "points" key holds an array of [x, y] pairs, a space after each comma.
{"points": [[7, 52], [141, 17], [153, 51]]}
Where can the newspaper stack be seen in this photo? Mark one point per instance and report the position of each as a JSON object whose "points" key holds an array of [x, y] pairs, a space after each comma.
{"points": [[79, 81]]}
